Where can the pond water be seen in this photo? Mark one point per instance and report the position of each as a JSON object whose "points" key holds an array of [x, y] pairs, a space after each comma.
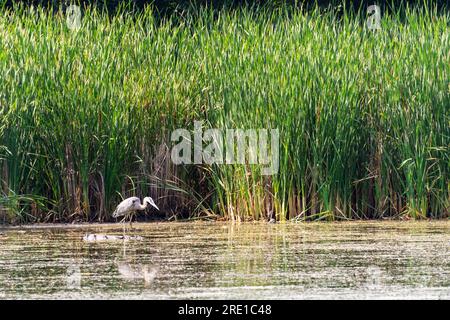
{"points": [[213, 260]]}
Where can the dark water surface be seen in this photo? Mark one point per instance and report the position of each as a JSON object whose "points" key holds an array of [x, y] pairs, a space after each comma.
{"points": [[344, 260]]}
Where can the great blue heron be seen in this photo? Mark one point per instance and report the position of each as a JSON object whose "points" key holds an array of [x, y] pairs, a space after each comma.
{"points": [[129, 206]]}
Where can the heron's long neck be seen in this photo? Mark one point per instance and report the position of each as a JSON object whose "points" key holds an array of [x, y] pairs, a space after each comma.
{"points": [[144, 206]]}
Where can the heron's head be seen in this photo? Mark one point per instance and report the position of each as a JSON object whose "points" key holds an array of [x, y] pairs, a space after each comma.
{"points": [[150, 201]]}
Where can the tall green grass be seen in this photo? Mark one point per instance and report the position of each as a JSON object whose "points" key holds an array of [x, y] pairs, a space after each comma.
{"points": [[86, 116]]}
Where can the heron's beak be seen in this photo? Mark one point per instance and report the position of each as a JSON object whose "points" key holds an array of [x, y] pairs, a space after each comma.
{"points": [[153, 204]]}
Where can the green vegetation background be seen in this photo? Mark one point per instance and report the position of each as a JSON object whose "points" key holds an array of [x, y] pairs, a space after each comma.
{"points": [[86, 116]]}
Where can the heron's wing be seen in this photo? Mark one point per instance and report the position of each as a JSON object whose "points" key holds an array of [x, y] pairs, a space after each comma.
{"points": [[124, 207]]}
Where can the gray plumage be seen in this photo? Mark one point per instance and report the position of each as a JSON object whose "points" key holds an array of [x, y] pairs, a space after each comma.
{"points": [[131, 205]]}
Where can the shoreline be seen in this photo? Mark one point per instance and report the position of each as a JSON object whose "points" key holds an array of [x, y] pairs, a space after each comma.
{"points": [[82, 225]]}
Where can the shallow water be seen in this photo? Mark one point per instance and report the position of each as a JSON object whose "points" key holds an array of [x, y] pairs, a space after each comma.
{"points": [[344, 260]]}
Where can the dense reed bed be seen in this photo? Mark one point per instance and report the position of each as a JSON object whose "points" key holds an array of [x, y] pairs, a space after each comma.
{"points": [[363, 116]]}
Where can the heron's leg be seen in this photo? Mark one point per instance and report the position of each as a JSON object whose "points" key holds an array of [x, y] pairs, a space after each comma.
{"points": [[123, 223]]}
